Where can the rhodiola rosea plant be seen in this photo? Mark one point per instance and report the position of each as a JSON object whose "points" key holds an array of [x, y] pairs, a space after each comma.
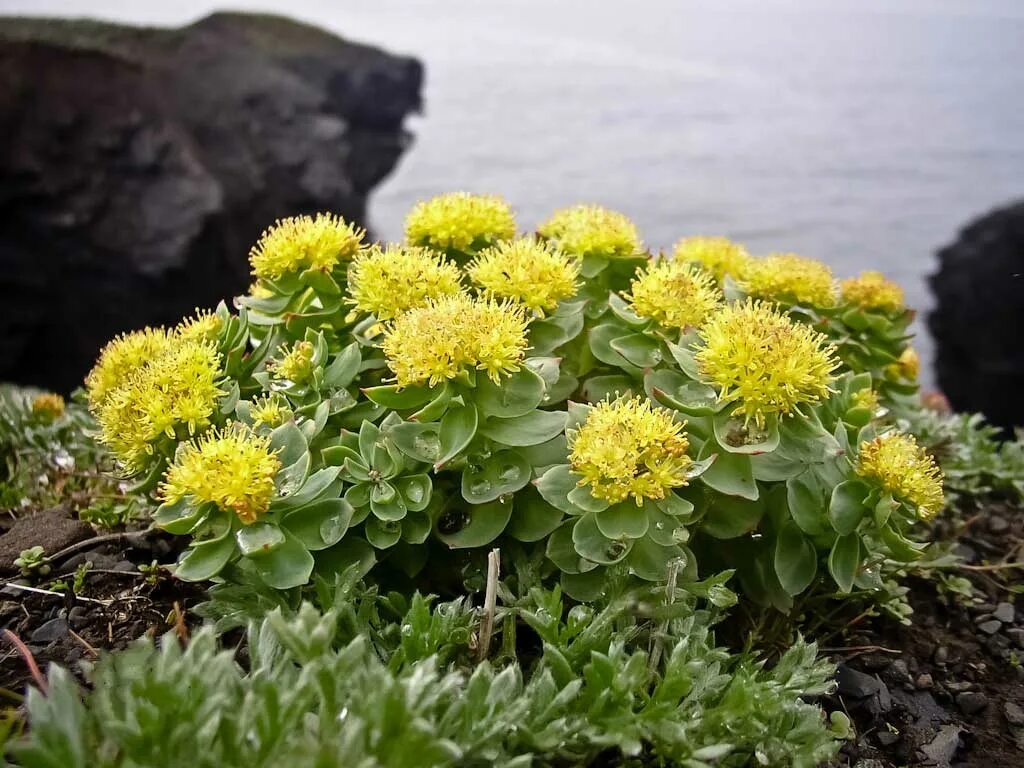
{"points": [[390, 405]]}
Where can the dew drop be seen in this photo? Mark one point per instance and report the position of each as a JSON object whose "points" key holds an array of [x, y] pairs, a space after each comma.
{"points": [[453, 521], [480, 487], [428, 446], [509, 473]]}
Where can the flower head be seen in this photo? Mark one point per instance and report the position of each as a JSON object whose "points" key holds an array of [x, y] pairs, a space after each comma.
{"points": [[530, 271], [871, 290], [789, 278], [120, 357], [389, 281], [898, 465], [459, 221], [675, 294], [590, 230], [718, 255], [176, 390], [436, 342], [628, 448], [304, 242], [907, 365], [766, 363], [867, 399], [295, 364], [270, 410], [48, 406], [203, 326], [232, 468]]}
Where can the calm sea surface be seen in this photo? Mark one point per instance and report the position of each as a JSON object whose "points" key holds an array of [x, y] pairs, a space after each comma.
{"points": [[863, 133]]}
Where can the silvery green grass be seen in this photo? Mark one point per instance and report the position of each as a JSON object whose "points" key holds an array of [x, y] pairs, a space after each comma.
{"points": [[631, 430]]}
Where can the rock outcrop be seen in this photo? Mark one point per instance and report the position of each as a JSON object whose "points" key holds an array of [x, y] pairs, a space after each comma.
{"points": [[137, 166], [979, 317]]}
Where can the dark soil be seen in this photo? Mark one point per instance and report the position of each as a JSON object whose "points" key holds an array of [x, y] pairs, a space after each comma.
{"points": [[948, 690], [945, 691]]}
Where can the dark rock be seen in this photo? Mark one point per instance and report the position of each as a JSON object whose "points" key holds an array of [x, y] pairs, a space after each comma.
{"points": [[138, 165], [982, 607], [997, 524], [51, 529], [941, 750], [979, 291], [1005, 612], [941, 654], [898, 671], [856, 684], [1017, 636], [78, 617], [887, 738], [924, 682], [991, 627], [1014, 713], [965, 552], [52, 630], [971, 702]]}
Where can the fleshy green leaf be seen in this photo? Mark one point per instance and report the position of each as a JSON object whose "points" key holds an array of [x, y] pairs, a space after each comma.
{"points": [[531, 429], [796, 559]]}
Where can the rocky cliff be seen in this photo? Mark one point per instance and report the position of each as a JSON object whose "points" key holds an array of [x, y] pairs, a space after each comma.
{"points": [[978, 320], [138, 165]]}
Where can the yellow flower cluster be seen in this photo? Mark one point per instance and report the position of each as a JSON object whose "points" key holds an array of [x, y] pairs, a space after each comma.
{"points": [[867, 399], [763, 361], [675, 293], [296, 364], [178, 388], [871, 290], [528, 270], [718, 255], [305, 242], [436, 342], [270, 410], [48, 406], [389, 281], [232, 468], [203, 326], [459, 221], [124, 354], [901, 467], [907, 366], [590, 230], [628, 448], [789, 278]]}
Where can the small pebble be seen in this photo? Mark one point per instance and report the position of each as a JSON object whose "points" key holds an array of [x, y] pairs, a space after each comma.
{"points": [[52, 630], [959, 686], [1014, 714], [924, 682], [887, 738], [991, 627], [1017, 635], [998, 524], [941, 654], [78, 617], [971, 702], [1005, 613]]}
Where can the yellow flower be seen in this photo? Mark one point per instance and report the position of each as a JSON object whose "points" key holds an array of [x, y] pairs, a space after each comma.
{"points": [[177, 390], [763, 361], [436, 342], [459, 221], [530, 271], [866, 398], [270, 410], [718, 255], [232, 468], [789, 278], [203, 326], [675, 294], [120, 357], [872, 291], [48, 406], [590, 230], [627, 448], [296, 364], [389, 281], [259, 291], [907, 366], [303, 242], [898, 465]]}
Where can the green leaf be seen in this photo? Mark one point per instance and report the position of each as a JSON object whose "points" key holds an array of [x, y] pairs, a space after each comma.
{"points": [[320, 525], [315, 487], [344, 368], [289, 442], [551, 333], [421, 442], [391, 396], [731, 474], [290, 565], [650, 560], [350, 552], [805, 498], [464, 526], [436, 408], [204, 560], [458, 428], [594, 545], [555, 485], [386, 503], [848, 506], [179, 517], [736, 435], [531, 429], [624, 311], [337, 455], [416, 491], [844, 560], [516, 395], [796, 559], [562, 552], [728, 517], [672, 389], [639, 349], [601, 388], [625, 520], [259, 539], [685, 359], [500, 474], [601, 337], [532, 517], [382, 534]]}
